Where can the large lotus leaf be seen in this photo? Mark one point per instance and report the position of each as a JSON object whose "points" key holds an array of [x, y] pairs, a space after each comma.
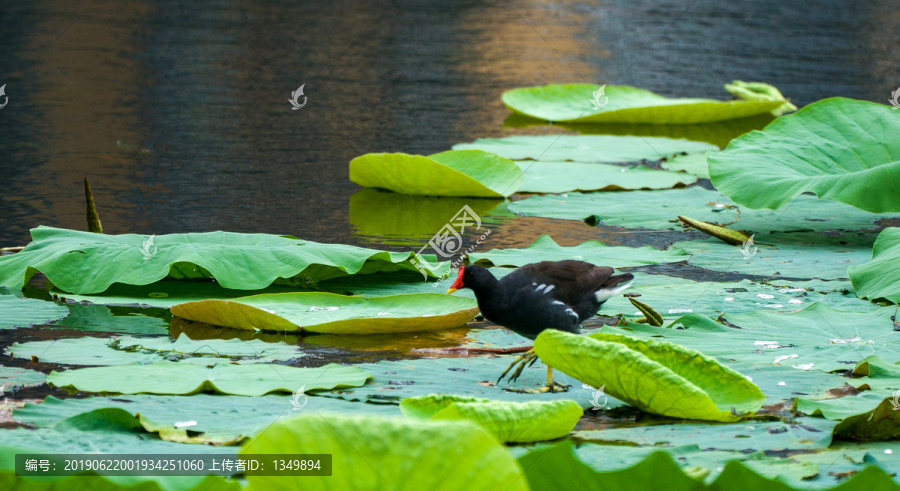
{"points": [[864, 417], [332, 313], [841, 149], [792, 255], [126, 350], [215, 414], [563, 177], [585, 148], [672, 296], [655, 376], [815, 338], [99, 418], [24, 312], [545, 249], [880, 277], [453, 173], [557, 468], [401, 219], [659, 210], [388, 454], [85, 262], [177, 378], [718, 133], [576, 103], [518, 422]]}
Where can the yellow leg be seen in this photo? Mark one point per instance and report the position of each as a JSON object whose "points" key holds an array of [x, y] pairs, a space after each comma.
{"points": [[528, 359]]}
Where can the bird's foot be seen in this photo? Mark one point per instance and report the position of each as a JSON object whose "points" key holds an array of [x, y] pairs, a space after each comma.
{"points": [[556, 387], [523, 360]]}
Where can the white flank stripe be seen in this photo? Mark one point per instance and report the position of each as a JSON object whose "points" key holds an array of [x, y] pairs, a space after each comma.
{"points": [[551, 287]]}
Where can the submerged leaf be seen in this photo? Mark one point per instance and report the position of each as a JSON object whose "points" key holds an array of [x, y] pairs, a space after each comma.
{"points": [[581, 103], [24, 312], [375, 453], [453, 173], [333, 313], [841, 149], [237, 261], [655, 376], [514, 422]]}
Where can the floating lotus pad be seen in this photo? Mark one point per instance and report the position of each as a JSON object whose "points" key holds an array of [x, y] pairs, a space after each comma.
{"points": [[880, 277], [126, 350], [563, 177], [453, 173], [659, 210], [586, 148], [514, 422], [841, 149], [792, 255], [332, 313], [24, 312], [178, 378], [655, 376], [237, 261], [389, 453], [545, 249], [578, 103]]}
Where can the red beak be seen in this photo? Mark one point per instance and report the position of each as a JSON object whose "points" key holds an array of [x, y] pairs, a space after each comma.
{"points": [[458, 283]]}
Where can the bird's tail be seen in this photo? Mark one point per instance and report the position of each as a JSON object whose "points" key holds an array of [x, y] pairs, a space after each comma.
{"points": [[614, 286]]}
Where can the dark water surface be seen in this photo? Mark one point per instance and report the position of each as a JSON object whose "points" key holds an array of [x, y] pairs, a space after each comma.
{"points": [[178, 111]]}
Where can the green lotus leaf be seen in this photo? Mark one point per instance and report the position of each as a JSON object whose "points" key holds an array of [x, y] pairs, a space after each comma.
{"points": [[23, 312], [177, 378], [585, 148], [513, 422], [19, 377], [786, 254], [718, 133], [841, 149], [126, 350], [393, 454], [867, 416], [333, 313], [655, 376], [470, 173], [105, 417], [563, 177], [659, 210], [880, 277], [580, 103], [85, 262], [545, 249], [692, 163]]}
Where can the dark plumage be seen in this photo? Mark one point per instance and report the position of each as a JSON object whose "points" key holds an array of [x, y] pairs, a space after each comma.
{"points": [[549, 294]]}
